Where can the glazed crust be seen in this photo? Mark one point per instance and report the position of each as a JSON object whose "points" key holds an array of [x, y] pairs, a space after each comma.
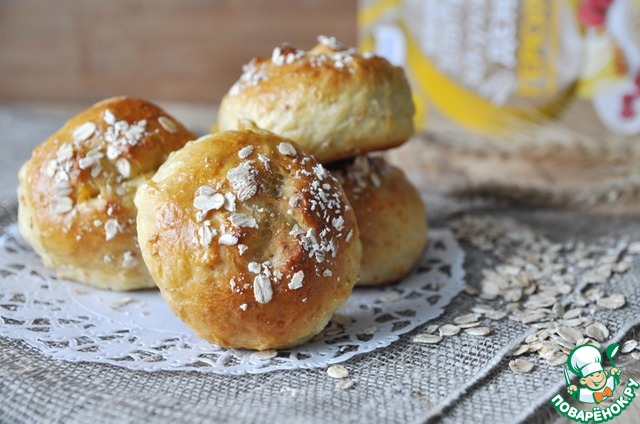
{"points": [[252, 243], [76, 192], [334, 102], [391, 217]]}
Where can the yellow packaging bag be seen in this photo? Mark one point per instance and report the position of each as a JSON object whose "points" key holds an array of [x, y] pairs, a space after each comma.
{"points": [[499, 66]]}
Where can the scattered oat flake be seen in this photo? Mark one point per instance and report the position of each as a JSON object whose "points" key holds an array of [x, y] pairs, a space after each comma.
{"points": [[287, 149], [337, 371], [432, 329], [614, 301], [84, 131], [242, 220], [349, 235], [558, 358], [496, 315], [121, 302], [168, 124], [520, 350], [230, 202], [572, 313], [205, 234], [62, 204], [64, 153], [629, 346], [111, 229], [345, 384], [469, 324], [478, 331], [634, 248], [331, 331], [109, 117], [293, 200], [623, 267], [129, 260], [124, 167], [243, 179], [86, 162], [482, 309], [331, 42], [52, 168], [558, 309], [244, 306], [264, 159], [449, 330], [521, 366], [245, 152], [390, 297], [570, 334], [370, 330], [264, 355], [62, 188], [427, 338], [467, 318], [113, 152], [262, 290], [597, 331], [296, 280], [207, 202], [228, 240]]}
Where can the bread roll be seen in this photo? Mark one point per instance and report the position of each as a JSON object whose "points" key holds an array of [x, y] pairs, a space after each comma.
{"points": [[252, 242], [76, 192], [334, 102], [390, 214]]}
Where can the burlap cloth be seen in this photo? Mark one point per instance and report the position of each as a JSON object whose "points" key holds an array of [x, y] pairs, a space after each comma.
{"points": [[461, 379]]}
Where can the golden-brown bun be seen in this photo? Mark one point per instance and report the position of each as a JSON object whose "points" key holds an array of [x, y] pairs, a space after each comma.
{"points": [[251, 242], [334, 102], [76, 192], [391, 217]]}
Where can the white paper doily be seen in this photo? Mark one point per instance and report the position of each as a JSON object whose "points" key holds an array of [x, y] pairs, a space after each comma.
{"points": [[136, 330]]}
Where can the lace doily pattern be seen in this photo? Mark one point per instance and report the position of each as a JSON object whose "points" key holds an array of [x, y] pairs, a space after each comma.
{"points": [[136, 330]]}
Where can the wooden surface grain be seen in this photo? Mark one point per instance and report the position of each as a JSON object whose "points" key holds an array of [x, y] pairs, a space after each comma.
{"points": [[180, 50]]}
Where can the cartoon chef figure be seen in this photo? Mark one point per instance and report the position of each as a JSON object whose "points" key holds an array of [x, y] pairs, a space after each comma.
{"points": [[585, 361]]}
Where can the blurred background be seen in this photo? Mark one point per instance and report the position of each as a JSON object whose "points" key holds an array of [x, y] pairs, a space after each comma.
{"points": [[163, 50]]}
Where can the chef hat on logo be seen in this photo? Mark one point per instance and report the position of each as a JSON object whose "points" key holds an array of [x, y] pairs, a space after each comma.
{"points": [[585, 360]]}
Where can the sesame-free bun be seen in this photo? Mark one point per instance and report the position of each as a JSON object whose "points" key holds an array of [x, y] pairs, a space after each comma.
{"points": [[76, 192], [252, 243], [334, 102], [391, 217]]}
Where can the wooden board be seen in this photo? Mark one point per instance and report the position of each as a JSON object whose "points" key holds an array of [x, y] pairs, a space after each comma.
{"points": [[187, 50]]}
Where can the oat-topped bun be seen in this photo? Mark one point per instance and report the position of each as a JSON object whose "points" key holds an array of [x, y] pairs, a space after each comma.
{"points": [[252, 242], [76, 192], [391, 217], [334, 102]]}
